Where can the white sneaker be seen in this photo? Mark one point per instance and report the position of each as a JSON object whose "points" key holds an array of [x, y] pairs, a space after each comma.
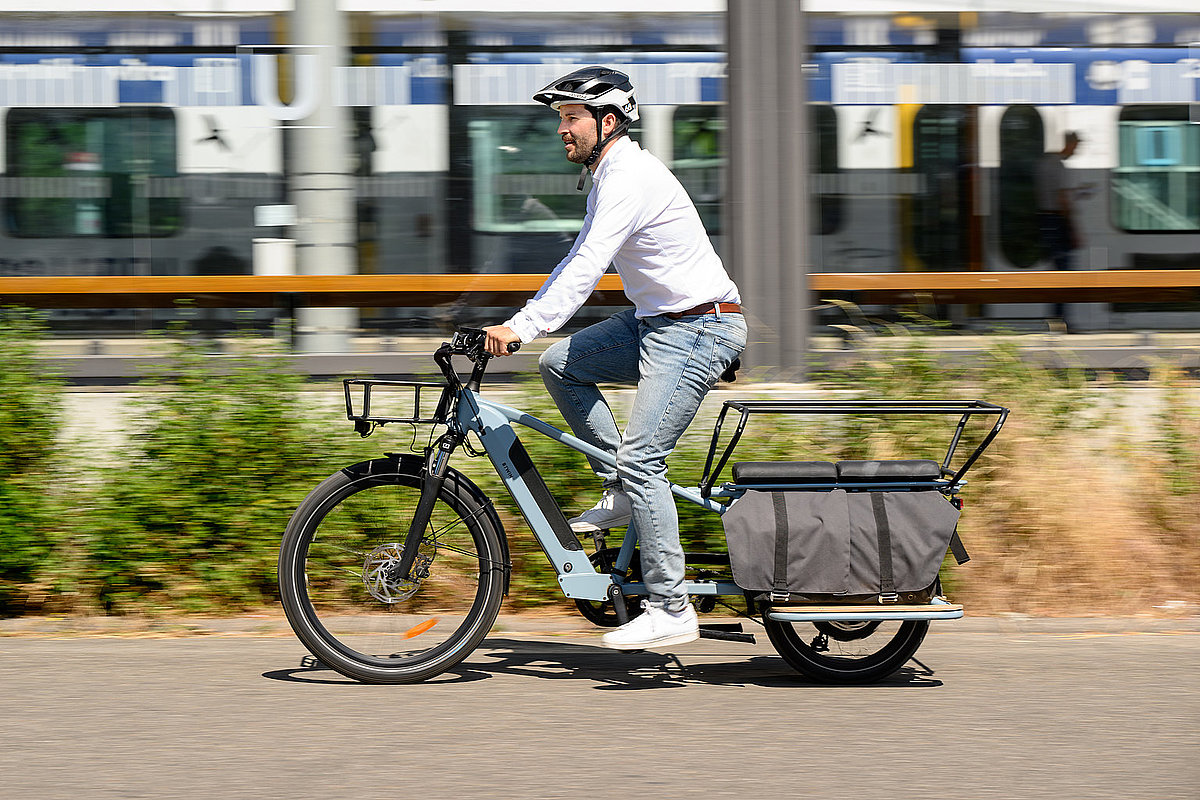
{"points": [[613, 511], [655, 627]]}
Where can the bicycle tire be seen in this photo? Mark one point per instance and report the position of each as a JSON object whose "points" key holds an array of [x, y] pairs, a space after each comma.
{"points": [[866, 659], [344, 605]]}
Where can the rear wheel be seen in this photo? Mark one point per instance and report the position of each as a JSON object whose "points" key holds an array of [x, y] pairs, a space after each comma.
{"points": [[341, 593], [846, 652]]}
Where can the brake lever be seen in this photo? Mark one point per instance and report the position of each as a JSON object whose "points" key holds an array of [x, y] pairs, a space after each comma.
{"points": [[470, 342]]}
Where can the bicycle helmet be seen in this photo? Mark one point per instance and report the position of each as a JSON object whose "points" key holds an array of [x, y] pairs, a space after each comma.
{"points": [[595, 87], [604, 91]]}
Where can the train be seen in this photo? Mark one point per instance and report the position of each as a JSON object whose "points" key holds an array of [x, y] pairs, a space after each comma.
{"points": [[143, 142]]}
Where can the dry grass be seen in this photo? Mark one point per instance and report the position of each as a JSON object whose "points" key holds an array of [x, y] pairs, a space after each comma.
{"points": [[1085, 521]]}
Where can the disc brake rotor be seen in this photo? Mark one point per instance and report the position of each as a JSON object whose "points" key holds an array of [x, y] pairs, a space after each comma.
{"points": [[380, 576]]}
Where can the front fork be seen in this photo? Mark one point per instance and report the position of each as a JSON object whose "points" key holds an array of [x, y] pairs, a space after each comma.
{"points": [[437, 463]]}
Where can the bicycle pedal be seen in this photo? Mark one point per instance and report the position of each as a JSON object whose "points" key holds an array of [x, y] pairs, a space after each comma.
{"points": [[312, 662], [727, 636]]}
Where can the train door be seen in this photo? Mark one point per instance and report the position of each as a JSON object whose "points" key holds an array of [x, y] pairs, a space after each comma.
{"points": [[943, 230], [1021, 138]]}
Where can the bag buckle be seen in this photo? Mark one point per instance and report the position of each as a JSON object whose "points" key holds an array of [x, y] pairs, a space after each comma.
{"points": [[779, 597], [890, 597]]}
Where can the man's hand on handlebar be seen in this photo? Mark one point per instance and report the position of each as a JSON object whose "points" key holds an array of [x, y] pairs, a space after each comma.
{"points": [[500, 339]]}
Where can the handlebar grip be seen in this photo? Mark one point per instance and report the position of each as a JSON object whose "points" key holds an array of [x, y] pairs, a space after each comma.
{"points": [[514, 347]]}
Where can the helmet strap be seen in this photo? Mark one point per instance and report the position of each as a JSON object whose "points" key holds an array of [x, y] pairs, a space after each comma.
{"points": [[621, 128]]}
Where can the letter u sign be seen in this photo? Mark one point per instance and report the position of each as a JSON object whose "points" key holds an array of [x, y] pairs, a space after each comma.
{"points": [[266, 86]]}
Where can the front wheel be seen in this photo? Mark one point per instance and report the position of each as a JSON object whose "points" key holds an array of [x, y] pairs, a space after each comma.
{"points": [[343, 597], [846, 652]]}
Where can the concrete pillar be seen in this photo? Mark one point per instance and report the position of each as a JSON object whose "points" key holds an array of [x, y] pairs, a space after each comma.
{"points": [[767, 211], [321, 181]]}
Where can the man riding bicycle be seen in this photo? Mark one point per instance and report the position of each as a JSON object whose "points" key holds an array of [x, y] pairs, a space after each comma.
{"points": [[685, 329]]}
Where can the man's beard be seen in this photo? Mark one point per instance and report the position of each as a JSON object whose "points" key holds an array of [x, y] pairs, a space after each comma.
{"points": [[581, 153]]}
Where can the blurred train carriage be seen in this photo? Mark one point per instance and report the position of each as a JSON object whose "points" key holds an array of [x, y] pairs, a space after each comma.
{"points": [[157, 143]]}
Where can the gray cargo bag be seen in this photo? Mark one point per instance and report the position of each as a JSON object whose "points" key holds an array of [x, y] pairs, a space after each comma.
{"points": [[840, 547]]}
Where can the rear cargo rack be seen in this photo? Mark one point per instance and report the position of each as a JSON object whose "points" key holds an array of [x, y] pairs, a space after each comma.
{"points": [[965, 410]]}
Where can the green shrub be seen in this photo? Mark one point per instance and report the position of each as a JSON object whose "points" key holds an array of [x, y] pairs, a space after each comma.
{"points": [[221, 451], [30, 419]]}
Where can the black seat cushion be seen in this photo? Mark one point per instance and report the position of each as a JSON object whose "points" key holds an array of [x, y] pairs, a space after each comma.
{"points": [[784, 472], [870, 471]]}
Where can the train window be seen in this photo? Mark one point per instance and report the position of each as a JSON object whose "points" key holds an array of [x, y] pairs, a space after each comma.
{"points": [[1021, 140], [698, 145], [86, 172], [1156, 183], [698, 139], [522, 181], [942, 210]]}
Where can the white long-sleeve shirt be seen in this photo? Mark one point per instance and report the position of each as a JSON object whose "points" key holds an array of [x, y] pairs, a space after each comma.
{"points": [[640, 220]]}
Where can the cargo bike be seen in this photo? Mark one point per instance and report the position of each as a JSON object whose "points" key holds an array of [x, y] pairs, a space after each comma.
{"points": [[393, 570]]}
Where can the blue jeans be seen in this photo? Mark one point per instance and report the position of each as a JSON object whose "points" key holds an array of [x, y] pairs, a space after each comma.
{"points": [[674, 363]]}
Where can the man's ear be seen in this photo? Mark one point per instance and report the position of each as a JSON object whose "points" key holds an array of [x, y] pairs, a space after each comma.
{"points": [[608, 124]]}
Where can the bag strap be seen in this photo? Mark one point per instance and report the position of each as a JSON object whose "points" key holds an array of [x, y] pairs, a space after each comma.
{"points": [[779, 585], [887, 580], [958, 549]]}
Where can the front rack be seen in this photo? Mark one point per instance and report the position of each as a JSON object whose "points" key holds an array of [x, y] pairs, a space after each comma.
{"points": [[397, 399], [746, 408]]}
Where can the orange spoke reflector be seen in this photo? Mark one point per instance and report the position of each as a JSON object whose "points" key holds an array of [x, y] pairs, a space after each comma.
{"points": [[417, 630]]}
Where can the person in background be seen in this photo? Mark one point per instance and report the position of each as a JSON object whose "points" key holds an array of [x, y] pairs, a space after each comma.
{"points": [[1056, 222]]}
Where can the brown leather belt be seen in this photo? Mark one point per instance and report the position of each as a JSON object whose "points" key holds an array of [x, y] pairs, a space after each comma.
{"points": [[706, 308]]}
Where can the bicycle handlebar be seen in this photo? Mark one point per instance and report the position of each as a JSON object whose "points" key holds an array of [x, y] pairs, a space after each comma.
{"points": [[469, 342]]}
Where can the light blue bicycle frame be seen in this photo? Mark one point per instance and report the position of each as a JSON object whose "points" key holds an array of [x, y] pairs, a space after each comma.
{"points": [[492, 423]]}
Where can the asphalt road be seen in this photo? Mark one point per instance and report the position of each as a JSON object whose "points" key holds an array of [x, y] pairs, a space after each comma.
{"points": [[1018, 709]]}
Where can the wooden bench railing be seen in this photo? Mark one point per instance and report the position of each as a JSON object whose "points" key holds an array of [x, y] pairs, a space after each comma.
{"points": [[900, 288], [1092, 286], [268, 291]]}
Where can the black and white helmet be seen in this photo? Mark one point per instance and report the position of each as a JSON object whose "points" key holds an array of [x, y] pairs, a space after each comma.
{"points": [[595, 87]]}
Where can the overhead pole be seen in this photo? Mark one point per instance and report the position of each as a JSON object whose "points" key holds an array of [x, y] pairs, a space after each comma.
{"points": [[767, 210], [321, 180]]}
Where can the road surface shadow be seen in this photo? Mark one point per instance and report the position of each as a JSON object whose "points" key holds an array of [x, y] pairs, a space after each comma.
{"points": [[612, 670], [312, 670], [616, 670]]}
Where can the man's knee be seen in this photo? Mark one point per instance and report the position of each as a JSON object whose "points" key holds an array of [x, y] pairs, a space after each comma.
{"points": [[641, 464], [552, 363]]}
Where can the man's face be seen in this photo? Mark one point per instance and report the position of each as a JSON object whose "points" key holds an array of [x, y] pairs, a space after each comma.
{"points": [[577, 127]]}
